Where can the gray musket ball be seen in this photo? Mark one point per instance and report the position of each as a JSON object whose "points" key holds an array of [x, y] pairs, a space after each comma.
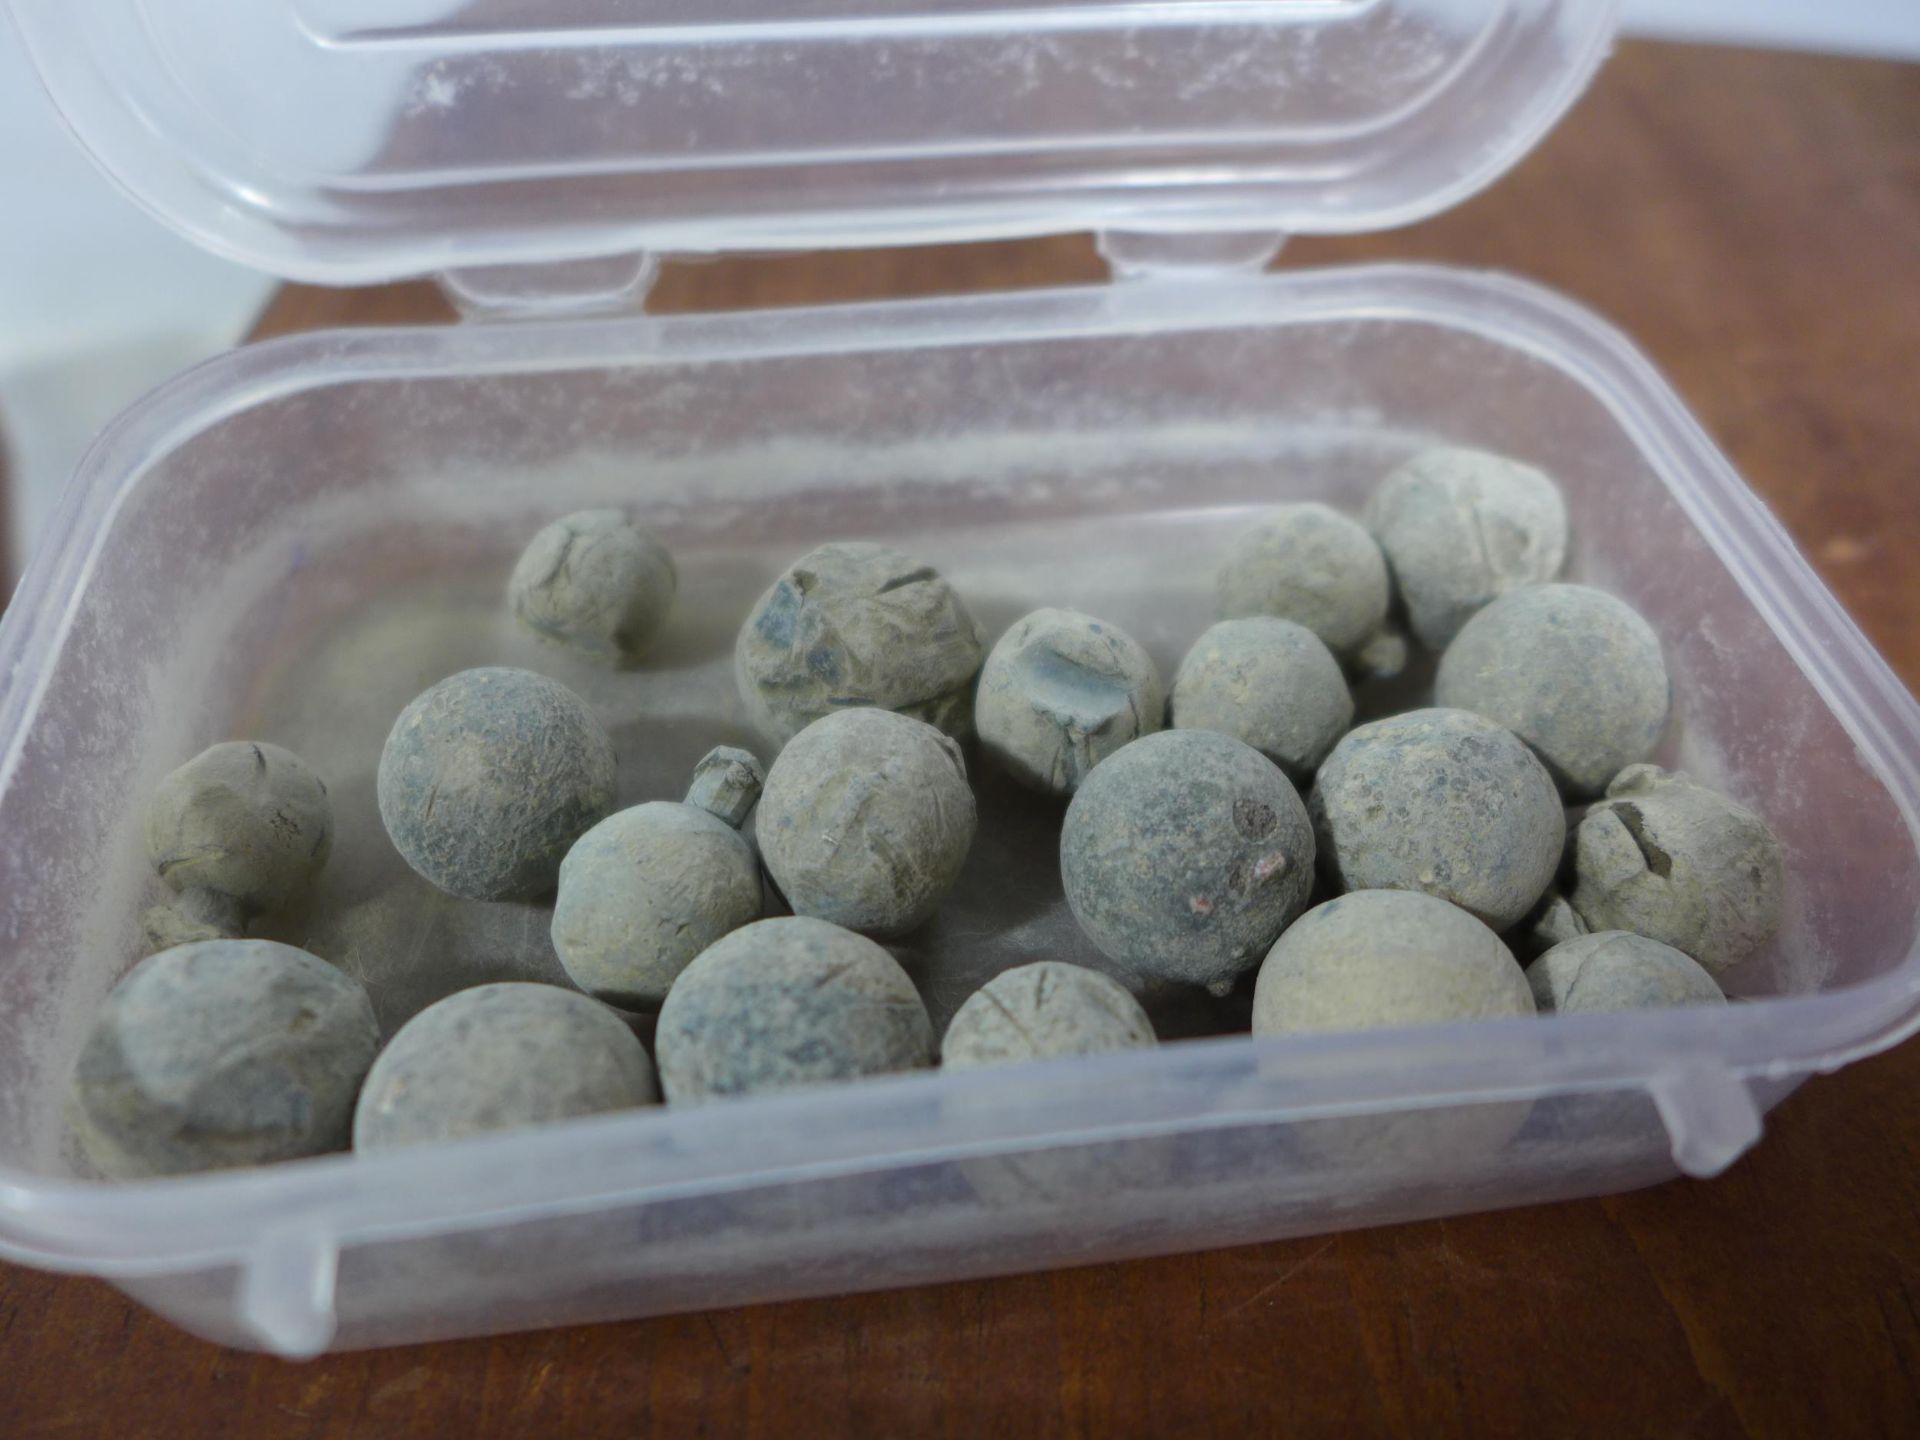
{"points": [[220, 1054], [489, 777], [1059, 693], [1672, 860], [500, 1057], [596, 583], [1381, 958], [1044, 1011], [866, 820], [1312, 565], [1269, 682], [1444, 802], [239, 831], [1460, 528], [1618, 970], [853, 624], [1572, 671], [649, 888], [1184, 855], [788, 1002]]}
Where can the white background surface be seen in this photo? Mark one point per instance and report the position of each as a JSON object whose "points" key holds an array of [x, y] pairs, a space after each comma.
{"points": [[98, 304]]}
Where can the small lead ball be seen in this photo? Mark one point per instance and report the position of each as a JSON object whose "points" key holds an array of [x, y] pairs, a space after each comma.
{"points": [[1184, 855], [1672, 860], [596, 583], [788, 1002], [1572, 671], [1618, 970], [866, 820], [489, 777], [219, 1054], [1461, 528], [649, 888], [1312, 565], [857, 624], [500, 1057], [1044, 1011], [1269, 682], [1059, 693], [239, 831]]}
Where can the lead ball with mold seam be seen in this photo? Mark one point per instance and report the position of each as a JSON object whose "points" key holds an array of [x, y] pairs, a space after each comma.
{"points": [[650, 887], [1618, 970], [1184, 855], [1441, 801], [1060, 692], [500, 1057], [1462, 527], [866, 820], [1573, 671], [788, 1002], [596, 583], [850, 624], [219, 1054], [487, 779], [237, 832], [1044, 1011], [1680, 863]]}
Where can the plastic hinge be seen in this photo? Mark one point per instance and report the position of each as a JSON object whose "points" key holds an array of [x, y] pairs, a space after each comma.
{"points": [[609, 285], [1710, 1117], [1142, 255], [287, 1291]]}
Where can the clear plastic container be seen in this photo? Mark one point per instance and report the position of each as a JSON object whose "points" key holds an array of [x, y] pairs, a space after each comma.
{"points": [[291, 541]]}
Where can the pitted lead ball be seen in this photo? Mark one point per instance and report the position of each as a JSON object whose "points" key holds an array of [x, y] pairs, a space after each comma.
{"points": [[489, 777], [225, 1053], [239, 831], [855, 624], [1184, 855], [1380, 958], [1461, 528], [500, 1057], [1572, 671], [1044, 1011], [1059, 693], [1269, 682], [866, 820], [1618, 970], [788, 1002], [1312, 565], [1444, 802], [597, 583], [649, 888], [1679, 863]]}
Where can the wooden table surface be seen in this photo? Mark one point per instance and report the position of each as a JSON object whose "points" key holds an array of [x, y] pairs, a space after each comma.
{"points": [[1754, 220]]}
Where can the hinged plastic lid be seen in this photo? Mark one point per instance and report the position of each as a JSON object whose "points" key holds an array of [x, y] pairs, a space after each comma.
{"points": [[358, 140]]}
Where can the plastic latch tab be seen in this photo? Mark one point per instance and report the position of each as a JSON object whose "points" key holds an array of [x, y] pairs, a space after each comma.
{"points": [[1710, 1117], [287, 1290], [1142, 255], [607, 285]]}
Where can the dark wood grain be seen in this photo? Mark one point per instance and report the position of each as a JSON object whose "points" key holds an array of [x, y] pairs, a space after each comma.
{"points": [[1754, 221]]}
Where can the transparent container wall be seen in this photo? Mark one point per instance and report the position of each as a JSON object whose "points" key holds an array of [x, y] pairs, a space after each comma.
{"points": [[993, 1215], [363, 139], [299, 557]]}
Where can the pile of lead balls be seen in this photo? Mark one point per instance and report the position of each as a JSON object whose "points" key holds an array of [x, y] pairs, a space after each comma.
{"points": [[1204, 821]]}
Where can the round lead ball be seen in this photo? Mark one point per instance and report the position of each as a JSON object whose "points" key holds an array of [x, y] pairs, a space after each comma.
{"points": [[866, 821], [1044, 1011], [489, 777], [1184, 855], [788, 1002], [500, 1057], [219, 1054], [596, 583]]}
